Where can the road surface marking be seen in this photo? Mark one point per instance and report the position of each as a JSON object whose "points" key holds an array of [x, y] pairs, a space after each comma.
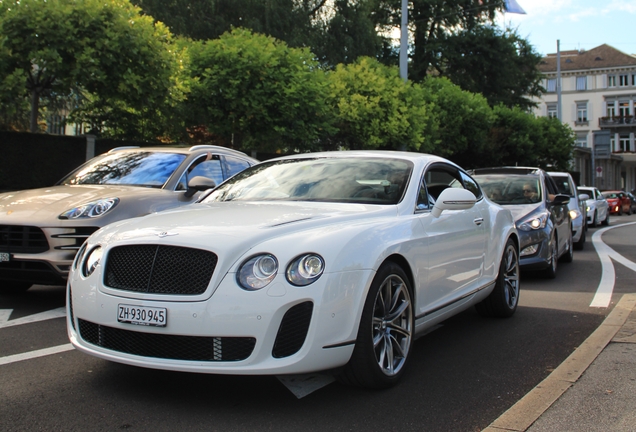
{"points": [[50, 314], [35, 354], [605, 253]]}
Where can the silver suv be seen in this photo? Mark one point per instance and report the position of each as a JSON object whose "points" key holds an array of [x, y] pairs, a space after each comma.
{"points": [[577, 207]]}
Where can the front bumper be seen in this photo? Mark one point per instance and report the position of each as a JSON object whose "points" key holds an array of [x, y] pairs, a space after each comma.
{"points": [[541, 258], [259, 319]]}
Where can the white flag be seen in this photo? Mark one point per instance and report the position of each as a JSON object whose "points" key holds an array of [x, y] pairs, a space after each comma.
{"points": [[511, 6]]}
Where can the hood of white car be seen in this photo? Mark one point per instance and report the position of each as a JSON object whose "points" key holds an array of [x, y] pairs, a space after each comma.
{"points": [[227, 225], [49, 203], [520, 210]]}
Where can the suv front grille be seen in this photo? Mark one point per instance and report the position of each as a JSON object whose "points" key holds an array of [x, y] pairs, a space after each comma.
{"points": [[158, 269], [22, 239]]}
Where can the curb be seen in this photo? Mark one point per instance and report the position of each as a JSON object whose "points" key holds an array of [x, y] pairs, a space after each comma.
{"points": [[527, 410]]}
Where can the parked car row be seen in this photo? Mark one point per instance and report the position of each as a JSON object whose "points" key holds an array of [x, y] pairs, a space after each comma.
{"points": [[206, 260]]}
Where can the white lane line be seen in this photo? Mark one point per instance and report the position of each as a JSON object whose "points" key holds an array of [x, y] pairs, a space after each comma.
{"points": [[50, 314], [605, 253], [35, 354]]}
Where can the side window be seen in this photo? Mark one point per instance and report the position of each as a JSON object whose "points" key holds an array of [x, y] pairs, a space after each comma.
{"points": [[551, 188], [423, 199], [235, 165], [440, 177], [207, 166], [471, 185]]}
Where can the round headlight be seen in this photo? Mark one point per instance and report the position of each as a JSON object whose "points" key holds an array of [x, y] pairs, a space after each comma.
{"points": [[257, 272], [305, 269], [92, 261]]}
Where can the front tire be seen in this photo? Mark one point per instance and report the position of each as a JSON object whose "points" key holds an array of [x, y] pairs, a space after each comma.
{"points": [[606, 221], [595, 220], [551, 271], [568, 256], [385, 335], [504, 298]]}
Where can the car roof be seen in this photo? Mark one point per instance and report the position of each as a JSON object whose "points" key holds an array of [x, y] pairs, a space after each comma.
{"points": [[184, 150], [412, 156], [508, 170]]}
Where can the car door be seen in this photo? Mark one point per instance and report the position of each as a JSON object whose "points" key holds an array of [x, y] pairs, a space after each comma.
{"points": [[560, 214], [601, 205], [457, 240]]}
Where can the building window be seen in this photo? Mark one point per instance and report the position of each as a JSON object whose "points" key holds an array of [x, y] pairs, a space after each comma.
{"points": [[623, 80], [623, 143], [552, 110], [611, 80], [634, 79], [581, 112], [611, 109], [581, 140], [623, 108], [581, 83], [551, 87]]}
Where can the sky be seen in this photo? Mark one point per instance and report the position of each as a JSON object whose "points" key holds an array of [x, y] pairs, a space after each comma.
{"points": [[577, 24]]}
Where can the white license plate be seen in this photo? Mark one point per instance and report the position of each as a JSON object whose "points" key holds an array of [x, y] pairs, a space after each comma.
{"points": [[142, 315], [5, 256]]}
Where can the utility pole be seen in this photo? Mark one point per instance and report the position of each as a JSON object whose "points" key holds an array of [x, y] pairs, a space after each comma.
{"points": [[404, 41]]}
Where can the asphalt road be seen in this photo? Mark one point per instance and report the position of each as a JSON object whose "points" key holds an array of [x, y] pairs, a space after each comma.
{"points": [[463, 375]]}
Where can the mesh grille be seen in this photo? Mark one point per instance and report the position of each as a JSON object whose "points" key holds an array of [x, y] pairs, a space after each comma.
{"points": [[293, 330], [159, 269], [196, 348], [22, 239]]}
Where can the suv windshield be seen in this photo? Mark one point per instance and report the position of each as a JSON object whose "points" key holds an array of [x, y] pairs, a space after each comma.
{"points": [[508, 189], [142, 168], [350, 180]]}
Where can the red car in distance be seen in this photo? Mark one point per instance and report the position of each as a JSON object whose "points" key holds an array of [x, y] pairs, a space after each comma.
{"points": [[618, 201]]}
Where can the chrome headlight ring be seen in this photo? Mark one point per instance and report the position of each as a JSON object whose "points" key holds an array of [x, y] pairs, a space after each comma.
{"points": [[257, 272], [93, 258], [305, 269], [92, 209]]}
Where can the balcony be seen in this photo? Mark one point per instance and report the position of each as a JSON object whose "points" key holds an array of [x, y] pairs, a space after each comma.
{"points": [[617, 121]]}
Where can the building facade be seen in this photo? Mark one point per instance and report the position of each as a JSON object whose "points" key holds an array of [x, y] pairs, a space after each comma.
{"points": [[598, 98]]}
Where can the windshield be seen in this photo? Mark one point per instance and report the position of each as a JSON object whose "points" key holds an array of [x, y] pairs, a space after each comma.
{"points": [[349, 180], [610, 194], [142, 168], [509, 189]]}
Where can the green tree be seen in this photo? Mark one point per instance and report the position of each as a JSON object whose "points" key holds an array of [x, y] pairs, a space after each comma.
{"points": [[376, 109], [258, 93], [520, 138], [497, 63], [462, 121], [119, 63]]}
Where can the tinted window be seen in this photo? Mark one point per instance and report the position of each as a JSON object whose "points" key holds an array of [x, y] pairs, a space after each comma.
{"points": [[563, 185], [235, 165], [508, 189], [352, 180], [208, 166], [141, 168]]}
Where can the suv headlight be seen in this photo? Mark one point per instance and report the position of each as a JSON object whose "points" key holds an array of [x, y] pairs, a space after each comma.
{"points": [[534, 223], [90, 210], [574, 214], [305, 269], [257, 272]]}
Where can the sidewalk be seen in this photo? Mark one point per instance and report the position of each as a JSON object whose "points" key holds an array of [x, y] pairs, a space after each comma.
{"points": [[592, 390]]}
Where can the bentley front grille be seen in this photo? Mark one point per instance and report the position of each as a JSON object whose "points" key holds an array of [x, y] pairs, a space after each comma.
{"points": [[174, 347], [158, 269]]}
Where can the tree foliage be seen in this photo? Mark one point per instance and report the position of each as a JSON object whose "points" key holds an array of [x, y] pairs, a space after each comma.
{"points": [[376, 109], [256, 92], [117, 64], [496, 63]]}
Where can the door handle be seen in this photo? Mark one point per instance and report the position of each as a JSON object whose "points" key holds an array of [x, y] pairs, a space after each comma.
{"points": [[478, 221]]}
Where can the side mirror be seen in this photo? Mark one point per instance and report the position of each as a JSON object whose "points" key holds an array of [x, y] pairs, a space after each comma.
{"points": [[453, 199], [199, 184], [561, 199], [584, 197]]}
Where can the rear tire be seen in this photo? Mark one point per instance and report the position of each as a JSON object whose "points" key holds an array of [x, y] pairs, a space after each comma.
{"points": [[504, 298], [385, 335]]}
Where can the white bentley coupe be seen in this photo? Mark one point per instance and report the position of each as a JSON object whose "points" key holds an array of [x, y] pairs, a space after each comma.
{"points": [[326, 261]]}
